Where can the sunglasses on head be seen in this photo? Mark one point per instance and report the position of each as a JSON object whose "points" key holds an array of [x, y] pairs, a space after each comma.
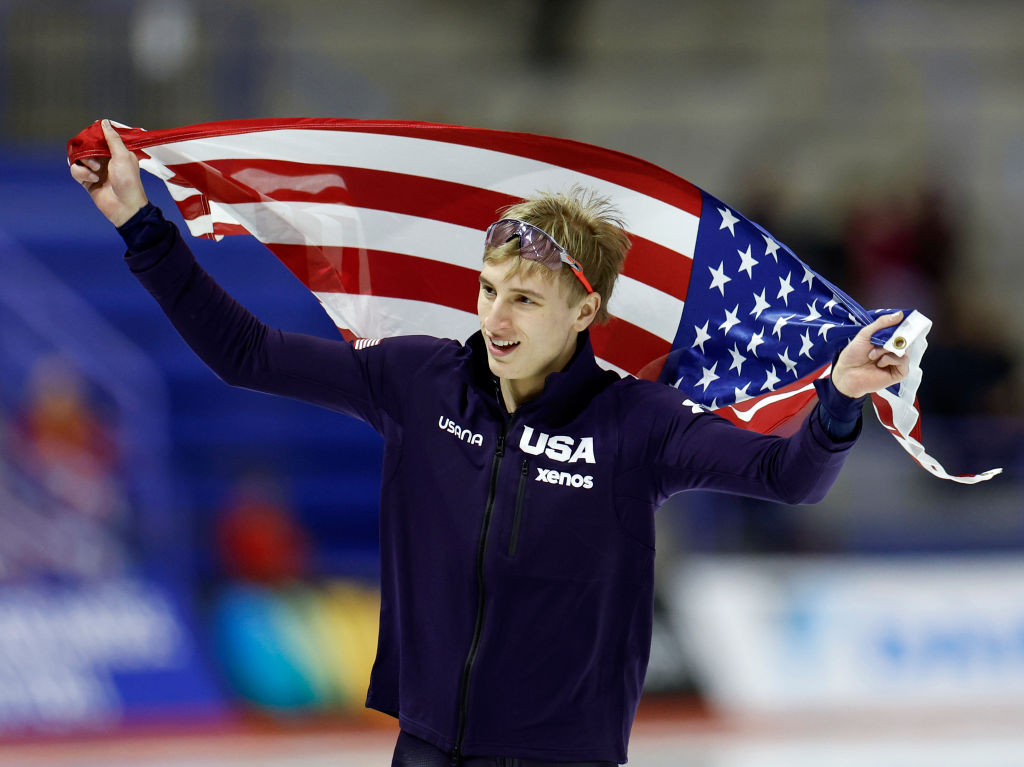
{"points": [[534, 245]]}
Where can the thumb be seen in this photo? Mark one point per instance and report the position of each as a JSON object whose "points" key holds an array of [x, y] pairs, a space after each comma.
{"points": [[114, 141], [885, 321]]}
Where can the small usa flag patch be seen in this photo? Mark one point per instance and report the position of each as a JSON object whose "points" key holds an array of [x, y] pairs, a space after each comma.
{"points": [[365, 343]]}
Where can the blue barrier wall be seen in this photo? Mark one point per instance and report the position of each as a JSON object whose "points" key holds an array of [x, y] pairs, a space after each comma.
{"points": [[326, 465]]}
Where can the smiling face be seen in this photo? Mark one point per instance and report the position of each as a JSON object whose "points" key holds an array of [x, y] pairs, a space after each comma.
{"points": [[529, 325]]}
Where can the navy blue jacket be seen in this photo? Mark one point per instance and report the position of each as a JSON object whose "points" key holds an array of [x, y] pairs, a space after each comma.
{"points": [[517, 551]]}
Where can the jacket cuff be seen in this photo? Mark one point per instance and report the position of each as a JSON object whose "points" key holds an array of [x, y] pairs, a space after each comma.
{"points": [[838, 414], [148, 236]]}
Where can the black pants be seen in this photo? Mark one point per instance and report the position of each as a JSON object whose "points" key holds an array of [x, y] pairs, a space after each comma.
{"points": [[413, 752]]}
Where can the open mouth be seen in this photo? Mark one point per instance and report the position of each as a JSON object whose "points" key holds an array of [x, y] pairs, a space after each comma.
{"points": [[501, 348]]}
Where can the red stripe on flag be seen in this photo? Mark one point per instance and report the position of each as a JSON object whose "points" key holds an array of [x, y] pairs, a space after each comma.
{"points": [[626, 345], [658, 266], [380, 273], [884, 413], [193, 206], [236, 181], [888, 420], [220, 229], [773, 418]]}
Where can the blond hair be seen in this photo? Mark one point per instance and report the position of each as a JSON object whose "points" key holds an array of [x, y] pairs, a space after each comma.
{"points": [[585, 224]]}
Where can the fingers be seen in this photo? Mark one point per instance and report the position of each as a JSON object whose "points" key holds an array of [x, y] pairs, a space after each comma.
{"points": [[896, 368], [865, 334], [883, 359], [92, 170], [885, 321], [114, 142], [83, 175], [89, 170]]}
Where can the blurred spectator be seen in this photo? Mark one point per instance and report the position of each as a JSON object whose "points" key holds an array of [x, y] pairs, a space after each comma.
{"points": [[969, 367], [970, 393], [258, 537], [66, 443], [900, 249], [765, 198], [65, 510]]}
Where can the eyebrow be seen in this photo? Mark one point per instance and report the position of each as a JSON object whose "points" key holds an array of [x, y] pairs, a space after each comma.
{"points": [[514, 289]]}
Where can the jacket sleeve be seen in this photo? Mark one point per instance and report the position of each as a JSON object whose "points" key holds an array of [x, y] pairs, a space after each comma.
{"points": [[679, 447], [242, 350]]}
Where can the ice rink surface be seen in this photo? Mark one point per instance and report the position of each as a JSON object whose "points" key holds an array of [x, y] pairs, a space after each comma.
{"points": [[664, 736]]}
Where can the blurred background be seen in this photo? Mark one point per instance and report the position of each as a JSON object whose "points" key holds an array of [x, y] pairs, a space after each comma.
{"points": [[188, 572]]}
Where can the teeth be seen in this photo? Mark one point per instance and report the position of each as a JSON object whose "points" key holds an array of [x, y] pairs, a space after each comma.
{"points": [[503, 344]]}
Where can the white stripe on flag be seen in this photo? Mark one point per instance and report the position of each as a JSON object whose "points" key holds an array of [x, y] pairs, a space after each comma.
{"points": [[646, 307], [916, 449], [748, 415], [384, 317], [333, 225]]}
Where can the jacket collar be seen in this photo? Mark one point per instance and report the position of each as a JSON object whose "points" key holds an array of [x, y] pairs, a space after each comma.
{"points": [[565, 393]]}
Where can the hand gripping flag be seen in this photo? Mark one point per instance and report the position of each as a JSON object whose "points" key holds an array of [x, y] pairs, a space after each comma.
{"points": [[383, 222]]}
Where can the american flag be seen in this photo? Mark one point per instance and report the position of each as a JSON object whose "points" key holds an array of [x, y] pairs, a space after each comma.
{"points": [[383, 222], [759, 325]]}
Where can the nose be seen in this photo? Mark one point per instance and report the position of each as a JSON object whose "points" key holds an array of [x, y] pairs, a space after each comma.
{"points": [[498, 316]]}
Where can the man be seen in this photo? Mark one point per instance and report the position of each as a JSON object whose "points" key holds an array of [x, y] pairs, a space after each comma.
{"points": [[520, 479]]}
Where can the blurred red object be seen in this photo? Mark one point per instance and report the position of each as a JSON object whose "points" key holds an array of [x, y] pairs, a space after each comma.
{"points": [[258, 536]]}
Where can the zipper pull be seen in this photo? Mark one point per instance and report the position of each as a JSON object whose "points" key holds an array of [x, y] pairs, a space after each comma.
{"points": [[499, 449]]}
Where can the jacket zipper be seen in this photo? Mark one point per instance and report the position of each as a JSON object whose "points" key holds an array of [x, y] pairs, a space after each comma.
{"points": [[517, 519], [474, 645]]}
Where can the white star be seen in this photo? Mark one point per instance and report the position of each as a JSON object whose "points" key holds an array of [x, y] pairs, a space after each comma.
{"points": [[785, 289], [771, 381], [812, 313], [678, 383], [755, 340], [771, 247], [728, 220], [779, 324], [823, 330], [806, 345], [740, 395], [718, 278], [790, 365], [709, 376], [748, 263], [759, 305], [694, 407], [702, 336], [730, 320], [830, 305], [737, 360], [808, 277], [714, 404]]}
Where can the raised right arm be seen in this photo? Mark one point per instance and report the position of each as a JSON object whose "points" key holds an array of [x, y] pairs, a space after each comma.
{"points": [[238, 347]]}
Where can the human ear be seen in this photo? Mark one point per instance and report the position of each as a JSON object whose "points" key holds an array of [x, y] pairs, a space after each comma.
{"points": [[587, 312]]}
